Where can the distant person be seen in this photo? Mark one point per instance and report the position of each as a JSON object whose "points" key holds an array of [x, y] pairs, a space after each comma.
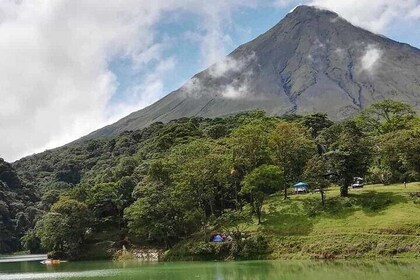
{"points": [[405, 180]]}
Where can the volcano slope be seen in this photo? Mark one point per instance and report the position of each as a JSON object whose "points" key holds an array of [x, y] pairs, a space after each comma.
{"points": [[311, 61]]}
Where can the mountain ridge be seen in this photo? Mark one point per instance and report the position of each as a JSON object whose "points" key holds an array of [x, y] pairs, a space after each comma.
{"points": [[311, 61]]}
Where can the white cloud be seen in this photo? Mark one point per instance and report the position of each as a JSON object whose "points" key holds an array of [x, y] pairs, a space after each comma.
{"points": [[415, 13], [55, 83], [194, 88], [371, 58], [55, 78], [285, 3], [230, 64], [374, 15], [236, 91], [227, 65], [217, 17], [239, 89], [150, 90]]}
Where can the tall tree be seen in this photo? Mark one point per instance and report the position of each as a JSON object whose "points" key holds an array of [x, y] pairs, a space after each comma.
{"points": [[316, 174], [400, 153], [249, 145], [291, 147], [385, 116], [162, 213], [262, 181], [203, 167], [64, 227], [315, 123], [349, 153]]}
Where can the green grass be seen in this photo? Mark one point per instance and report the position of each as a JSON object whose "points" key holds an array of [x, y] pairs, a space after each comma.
{"points": [[375, 209], [376, 221]]}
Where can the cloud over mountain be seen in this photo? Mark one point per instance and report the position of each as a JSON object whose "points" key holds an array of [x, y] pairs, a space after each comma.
{"points": [[56, 77], [56, 82], [371, 58], [311, 61]]}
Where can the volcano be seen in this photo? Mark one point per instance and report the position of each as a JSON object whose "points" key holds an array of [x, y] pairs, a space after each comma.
{"points": [[311, 61]]}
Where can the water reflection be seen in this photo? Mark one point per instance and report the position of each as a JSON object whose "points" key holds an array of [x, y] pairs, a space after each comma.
{"points": [[22, 258], [256, 270]]}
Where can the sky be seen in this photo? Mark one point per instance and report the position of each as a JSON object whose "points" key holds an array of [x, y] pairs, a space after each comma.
{"points": [[69, 67]]}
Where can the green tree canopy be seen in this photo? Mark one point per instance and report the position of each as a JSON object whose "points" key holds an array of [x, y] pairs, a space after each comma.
{"points": [[316, 174], [400, 154], [385, 116], [249, 145], [202, 170], [349, 153], [291, 147], [316, 123], [263, 180], [64, 227]]}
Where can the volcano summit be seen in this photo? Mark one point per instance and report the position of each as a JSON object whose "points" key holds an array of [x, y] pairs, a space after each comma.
{"points": [[311, 61]]}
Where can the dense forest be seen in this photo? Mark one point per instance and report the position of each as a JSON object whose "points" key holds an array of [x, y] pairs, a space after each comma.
{"points": [[18, 209], [158, 186]]}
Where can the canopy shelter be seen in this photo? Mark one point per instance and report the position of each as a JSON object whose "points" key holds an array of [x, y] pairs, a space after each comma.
{"points": [[301, 187]]}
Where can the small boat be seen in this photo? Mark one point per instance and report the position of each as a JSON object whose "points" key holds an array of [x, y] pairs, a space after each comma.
{"points": [[51, 262]]}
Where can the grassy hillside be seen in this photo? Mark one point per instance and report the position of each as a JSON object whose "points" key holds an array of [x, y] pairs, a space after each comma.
{"points": [[375, 221]]}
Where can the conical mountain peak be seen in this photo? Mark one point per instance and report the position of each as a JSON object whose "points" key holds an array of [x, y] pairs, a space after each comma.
{"points": [[309, 12], [310, 16], [311, 61]]}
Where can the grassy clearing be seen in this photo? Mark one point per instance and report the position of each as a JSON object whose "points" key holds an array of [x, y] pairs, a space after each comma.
{"points": [[374, 209], [376, 221]]}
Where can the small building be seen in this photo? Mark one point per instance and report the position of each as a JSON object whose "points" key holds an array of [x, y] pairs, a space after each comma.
{"points": [[301, 187]]}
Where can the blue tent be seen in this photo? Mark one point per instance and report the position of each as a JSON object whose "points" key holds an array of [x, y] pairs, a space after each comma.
{"points": [[217, 238], [300, 184]]}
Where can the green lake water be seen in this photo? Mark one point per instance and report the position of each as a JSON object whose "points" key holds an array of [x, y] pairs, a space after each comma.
{"points": [[255, 270]]}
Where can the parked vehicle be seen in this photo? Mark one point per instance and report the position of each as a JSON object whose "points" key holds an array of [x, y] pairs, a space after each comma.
{"points": [[357, 183]]}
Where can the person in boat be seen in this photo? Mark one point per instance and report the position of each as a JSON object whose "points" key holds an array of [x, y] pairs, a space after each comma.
{"points": [[51, 261]]}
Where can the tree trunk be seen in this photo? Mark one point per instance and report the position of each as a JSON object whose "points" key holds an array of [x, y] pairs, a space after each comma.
{"points": [[322, 197], [205, 231], [259, 214], [285, 192], [168, 244], [344, 191], [120, 215], [211, 208], [238, 204]]}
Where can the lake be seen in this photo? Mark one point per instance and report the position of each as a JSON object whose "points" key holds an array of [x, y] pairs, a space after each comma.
{"points": [[255, 270]]}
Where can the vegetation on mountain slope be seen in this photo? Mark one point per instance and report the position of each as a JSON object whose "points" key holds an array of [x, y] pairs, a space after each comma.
{"points": [[376, 221], [169, 184], [18, 209]]}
